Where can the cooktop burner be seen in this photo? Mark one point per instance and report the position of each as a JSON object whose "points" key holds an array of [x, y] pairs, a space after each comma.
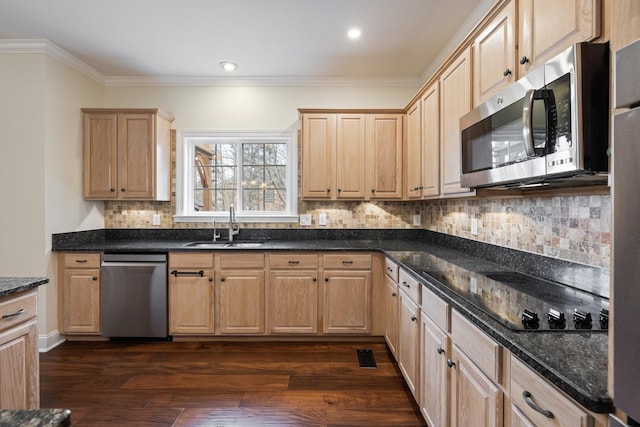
{"points": [[520, 301]]}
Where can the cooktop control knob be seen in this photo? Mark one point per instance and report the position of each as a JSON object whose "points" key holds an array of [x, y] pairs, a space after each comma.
{"points": [[604, 319], [556, 319], [582, 320], [530, 319]]}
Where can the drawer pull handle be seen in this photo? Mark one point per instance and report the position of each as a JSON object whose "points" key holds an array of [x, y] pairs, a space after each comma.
{"points": [[389, 269], [532, 405], [81, 261], [440, 350], [188, 273], [406, 285], [347, 262], [17, 313], [293, 262]]}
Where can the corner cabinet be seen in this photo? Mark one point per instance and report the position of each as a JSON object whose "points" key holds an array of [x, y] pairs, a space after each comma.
{"points": [[19, 382], [126, 154], [351, 155]]}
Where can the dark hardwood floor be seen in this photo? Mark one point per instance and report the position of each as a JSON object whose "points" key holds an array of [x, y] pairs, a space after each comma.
{"points": [[225, 384]]}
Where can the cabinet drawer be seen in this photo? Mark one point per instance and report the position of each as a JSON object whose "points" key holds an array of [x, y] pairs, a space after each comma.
{"points": [[81, 260], [293, 260], [391, 269], [242, 260], [410, 286], [346, 261], [545, 397], [484, 352], [17, 308], [190, 260], [437, 309]]}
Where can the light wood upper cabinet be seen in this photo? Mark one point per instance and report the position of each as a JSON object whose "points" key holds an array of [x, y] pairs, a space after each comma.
{"points": [[547, 27], [413, 158], [126, 154], [19, 382], [351, 156], [494, 55], [384, 142], [79, 293], [351, 160], [455, 101], [430, 186], [318, 146]]}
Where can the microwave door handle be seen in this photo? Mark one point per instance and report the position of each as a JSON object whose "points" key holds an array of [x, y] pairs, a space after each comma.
{"points": [[527, 122]]}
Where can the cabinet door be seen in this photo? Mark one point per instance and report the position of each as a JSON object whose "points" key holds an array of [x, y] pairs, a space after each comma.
{"points": [[547, 27], [391, 315], [475, 400], [318, 146], [19, 382], [413, 163], [384, 142], [347, 302], [293, 297], [434, 375], [409, 334], [431, 141], [241, 297], [136, 148], [494, 55], [191, 297], [455, 101], [100, 148], [81, 301], [351, 160]]}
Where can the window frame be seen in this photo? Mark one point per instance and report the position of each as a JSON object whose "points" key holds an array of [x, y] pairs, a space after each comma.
{"points": [[185, 183]]}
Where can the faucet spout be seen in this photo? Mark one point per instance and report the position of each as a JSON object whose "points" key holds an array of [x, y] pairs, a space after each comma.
{"points": [[234, 228], [216, 234]]}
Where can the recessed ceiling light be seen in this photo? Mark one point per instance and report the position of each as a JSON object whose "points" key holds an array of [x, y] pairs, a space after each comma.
{"points": [[354, 33], [228, 66]]}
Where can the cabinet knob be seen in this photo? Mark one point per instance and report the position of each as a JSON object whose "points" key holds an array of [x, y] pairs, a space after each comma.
{"points": [[95, 278], [524, 60], [440, 350], [414, 318], [373, 190], [506, 72], [393, 294], [339, 190], [211, 279], [326, 279], [123, 190], [314, 279], [328, 190], [113, 190], [451, 363], [222, 279]]}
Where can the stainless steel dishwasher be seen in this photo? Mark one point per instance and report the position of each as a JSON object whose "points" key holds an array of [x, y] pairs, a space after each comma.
{"points": [[133, 296]]}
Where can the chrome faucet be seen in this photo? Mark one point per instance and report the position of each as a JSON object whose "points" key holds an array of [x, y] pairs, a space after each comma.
{"points": [[232, 220], [216, 235]]}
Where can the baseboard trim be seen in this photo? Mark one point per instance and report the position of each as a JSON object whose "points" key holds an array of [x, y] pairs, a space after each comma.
{"points": [[50, 341]]}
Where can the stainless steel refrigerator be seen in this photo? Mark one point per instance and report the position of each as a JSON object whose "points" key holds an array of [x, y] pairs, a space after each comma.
{"points": [[626, 235]]}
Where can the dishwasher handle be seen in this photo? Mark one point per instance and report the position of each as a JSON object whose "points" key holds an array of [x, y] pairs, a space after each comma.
{"points": [[177, 273]]}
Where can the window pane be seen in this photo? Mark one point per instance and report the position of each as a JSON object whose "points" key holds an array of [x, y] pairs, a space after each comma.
{"points": [[275, 176], [253, 154], [252, 177], [275, 154]]}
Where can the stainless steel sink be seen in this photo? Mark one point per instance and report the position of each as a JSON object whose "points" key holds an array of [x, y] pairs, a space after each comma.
{"points": [[243, 244], [222, 245]]}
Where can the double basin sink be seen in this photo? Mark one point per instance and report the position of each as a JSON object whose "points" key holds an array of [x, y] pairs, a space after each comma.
{"points": [[222, 245]]}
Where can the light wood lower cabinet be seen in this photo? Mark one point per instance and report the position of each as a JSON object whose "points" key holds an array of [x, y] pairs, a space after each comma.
{"points": [[408, 340], [435, 347], [79, 293], [293, 293], [19, 381], [241, 301], [391, 314], [191, 294]]}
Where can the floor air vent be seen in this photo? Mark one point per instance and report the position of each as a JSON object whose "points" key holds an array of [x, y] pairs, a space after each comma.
{"points": [[366, 359]]}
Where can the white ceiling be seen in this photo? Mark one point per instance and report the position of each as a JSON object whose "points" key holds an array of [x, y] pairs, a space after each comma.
{"points": [[283, 39]]}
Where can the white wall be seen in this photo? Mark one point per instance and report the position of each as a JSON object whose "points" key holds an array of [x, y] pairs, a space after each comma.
{"points": [[257, 108]]}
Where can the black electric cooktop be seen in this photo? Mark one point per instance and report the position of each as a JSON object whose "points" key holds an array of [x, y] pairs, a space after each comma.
{"points": [[520, 301]]}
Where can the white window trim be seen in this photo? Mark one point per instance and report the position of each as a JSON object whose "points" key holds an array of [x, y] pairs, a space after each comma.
{"points": [[185, 143]]}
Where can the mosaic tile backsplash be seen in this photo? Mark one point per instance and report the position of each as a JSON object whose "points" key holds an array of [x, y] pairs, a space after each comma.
{"points": [[572, 228]]}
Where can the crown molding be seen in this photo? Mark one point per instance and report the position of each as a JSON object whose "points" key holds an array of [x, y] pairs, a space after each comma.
{"points": [[124, 81], [49, 48]]}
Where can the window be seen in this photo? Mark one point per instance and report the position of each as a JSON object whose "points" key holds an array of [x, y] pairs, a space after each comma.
{"points": [[254, 171]]}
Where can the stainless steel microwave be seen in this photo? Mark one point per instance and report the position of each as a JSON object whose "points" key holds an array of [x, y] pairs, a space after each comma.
{"points": [[550, 127]]}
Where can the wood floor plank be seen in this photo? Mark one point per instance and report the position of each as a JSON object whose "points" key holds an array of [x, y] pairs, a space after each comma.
{"points": [[373, 417], [344, 382], [327, 399], [252, 417], [205, 399], [138, 417], [207, 381]]}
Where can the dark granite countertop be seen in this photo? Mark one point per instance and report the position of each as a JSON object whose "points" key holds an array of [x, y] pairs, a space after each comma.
{"points": [[35, 418], [576, 362], [12, 285]]}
